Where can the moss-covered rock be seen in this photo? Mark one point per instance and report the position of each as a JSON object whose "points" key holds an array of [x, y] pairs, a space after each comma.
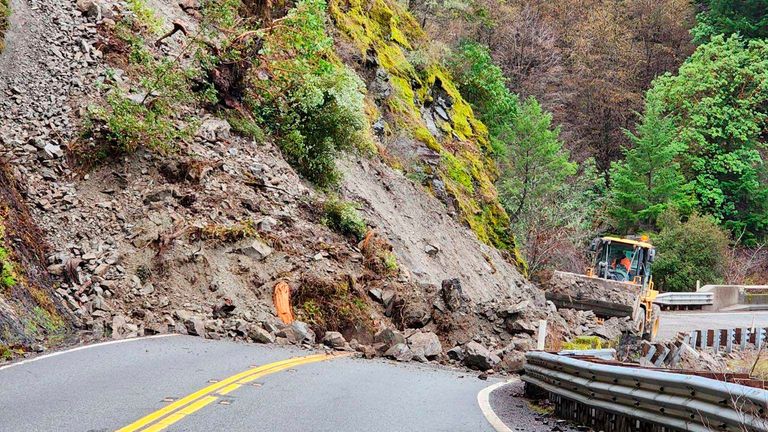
{"points": [[385, 34]]}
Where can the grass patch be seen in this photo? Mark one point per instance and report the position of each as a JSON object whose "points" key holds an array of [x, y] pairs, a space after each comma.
{"points": [[584, 343], [145, 16], [227, 233], [378, 255]]}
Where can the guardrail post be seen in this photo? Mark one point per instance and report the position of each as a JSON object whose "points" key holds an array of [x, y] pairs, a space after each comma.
{"points": [[744, 338], [716, 341], [704, 339], [729, 340], [692, 339], [542, 335], [760, 338]]}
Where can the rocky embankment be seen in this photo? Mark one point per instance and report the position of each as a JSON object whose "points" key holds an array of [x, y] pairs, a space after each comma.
{"points": [[195, 240]]}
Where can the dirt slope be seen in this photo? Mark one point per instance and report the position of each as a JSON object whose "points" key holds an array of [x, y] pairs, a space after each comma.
{"points": [[194, 241]]}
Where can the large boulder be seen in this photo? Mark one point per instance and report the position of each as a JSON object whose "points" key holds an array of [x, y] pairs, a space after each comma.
{"points": [[479, 357], [334, 340], [257, 334], [388, 338], [513, 361], [426, 343], [297, 332]]}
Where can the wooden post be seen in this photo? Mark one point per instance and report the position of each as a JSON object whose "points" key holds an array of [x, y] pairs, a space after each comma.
{"points": [[542, 335]]}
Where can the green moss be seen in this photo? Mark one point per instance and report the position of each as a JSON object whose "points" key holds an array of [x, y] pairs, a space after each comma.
{"points": [[457, 171], [584, 343], [422, 134], [385, 30], [8, 273]]}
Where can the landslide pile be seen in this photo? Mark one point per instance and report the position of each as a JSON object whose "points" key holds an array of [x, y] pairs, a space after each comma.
{"points": [[165, 149]]}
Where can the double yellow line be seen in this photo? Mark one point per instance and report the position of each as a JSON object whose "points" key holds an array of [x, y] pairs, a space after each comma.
{"points": [[176, 411]]}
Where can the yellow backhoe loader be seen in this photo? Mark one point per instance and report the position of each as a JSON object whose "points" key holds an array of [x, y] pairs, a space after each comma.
{"points": [[618, 283]]}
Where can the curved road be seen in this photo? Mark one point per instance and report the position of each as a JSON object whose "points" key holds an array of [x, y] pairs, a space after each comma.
{"points": [[182, 383]]}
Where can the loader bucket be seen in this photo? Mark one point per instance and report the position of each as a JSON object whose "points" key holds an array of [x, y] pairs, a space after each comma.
{"points": [[606, 298]]}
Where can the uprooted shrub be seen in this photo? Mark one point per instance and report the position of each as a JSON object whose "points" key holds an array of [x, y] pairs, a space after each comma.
{"points": [[343, 217], [331, 305], [378, 256]]}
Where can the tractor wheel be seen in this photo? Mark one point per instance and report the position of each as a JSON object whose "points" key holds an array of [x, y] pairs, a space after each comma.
{"points": [[652, 327], [640, 323]]}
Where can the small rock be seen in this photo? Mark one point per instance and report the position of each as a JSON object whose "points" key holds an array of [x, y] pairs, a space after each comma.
{"points": [[388, 338], [456, 353], [334, 340], [399, 352], [256, 249], [259, 335]]}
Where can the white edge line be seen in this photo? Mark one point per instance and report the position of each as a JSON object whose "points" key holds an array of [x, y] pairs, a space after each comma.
{"points": [[83, 347], [483, 399]]}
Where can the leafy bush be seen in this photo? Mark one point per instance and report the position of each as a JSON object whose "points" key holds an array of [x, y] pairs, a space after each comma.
{"points": [[695, 249], [312, 103], [745, 17], [484, 86], [148, 118], [343, 217], [325, 117]]}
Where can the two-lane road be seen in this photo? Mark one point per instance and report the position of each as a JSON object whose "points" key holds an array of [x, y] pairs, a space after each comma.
{"points": [[181, 383]]}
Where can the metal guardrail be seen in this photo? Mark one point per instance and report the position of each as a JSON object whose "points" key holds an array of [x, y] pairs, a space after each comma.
{"points": [[618, 398], [685, 299]]}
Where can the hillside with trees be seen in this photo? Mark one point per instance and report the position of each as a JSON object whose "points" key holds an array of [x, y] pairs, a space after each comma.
{"points": [[616, 113]]}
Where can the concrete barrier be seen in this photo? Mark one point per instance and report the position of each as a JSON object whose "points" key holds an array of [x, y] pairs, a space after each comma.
{"points": [[735, 296]]}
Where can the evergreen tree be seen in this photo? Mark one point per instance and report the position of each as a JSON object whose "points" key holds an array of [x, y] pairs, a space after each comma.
{"points": [[649, 180], [536, 164], [719, 104], [748, 18]]}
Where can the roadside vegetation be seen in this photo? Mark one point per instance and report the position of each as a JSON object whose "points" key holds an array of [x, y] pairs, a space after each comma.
{"points": [[5, 12], [559, 125], [592, 143]]}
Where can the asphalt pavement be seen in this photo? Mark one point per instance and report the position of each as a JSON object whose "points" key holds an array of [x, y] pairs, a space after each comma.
{"points": [[140, 382], [674, 322]]}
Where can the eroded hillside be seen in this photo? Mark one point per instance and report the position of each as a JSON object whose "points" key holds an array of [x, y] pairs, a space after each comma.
{"points": [[181, 159]]}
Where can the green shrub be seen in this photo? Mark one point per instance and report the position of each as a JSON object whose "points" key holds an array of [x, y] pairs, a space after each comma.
{"points": [[8, 278], [343, 217], [688, 251], [313, 104], [246, 127], [145, 15], [149, 117], [326, 117]]}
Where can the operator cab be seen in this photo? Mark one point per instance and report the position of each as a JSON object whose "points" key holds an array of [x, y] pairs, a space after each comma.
{"points": [[623, 260]]}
